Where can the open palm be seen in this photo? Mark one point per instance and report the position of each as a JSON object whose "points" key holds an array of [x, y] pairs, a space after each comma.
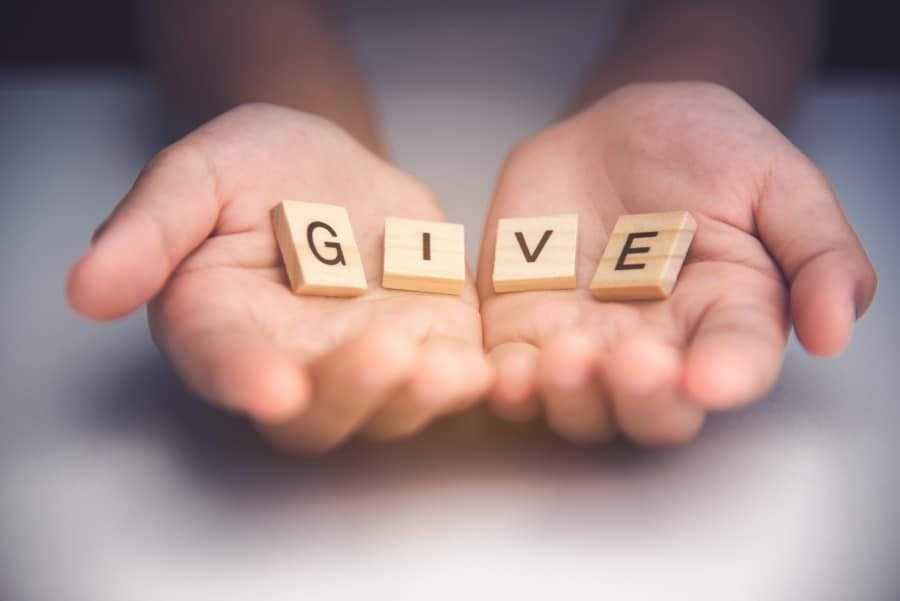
{"points": [[772, 247], [194, 235]]}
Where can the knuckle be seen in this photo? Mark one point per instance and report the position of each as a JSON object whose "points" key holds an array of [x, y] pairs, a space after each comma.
{"points": [[183, 154]]}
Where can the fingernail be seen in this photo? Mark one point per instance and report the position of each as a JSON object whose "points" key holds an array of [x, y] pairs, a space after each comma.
{"points": [[99, 231]]}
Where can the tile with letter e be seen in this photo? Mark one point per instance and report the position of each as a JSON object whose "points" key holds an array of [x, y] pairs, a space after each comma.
{"points": [[318, 249], [643, 257], [535, 253], [424, 256]]}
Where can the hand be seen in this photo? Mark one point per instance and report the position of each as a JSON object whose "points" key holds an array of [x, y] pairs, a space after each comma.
{"points": [[772, 247], [194, 235]]}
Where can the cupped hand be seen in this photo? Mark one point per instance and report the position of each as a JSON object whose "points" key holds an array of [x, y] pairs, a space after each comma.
{"points": [[772, 249], [193, 237]]}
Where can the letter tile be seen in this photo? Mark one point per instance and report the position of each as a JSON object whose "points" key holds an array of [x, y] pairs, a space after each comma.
{"points": [[318, 248], [424, 256], [535, 253], [643, 257]]}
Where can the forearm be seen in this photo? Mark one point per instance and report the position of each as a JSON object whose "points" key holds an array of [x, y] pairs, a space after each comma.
{"points": [[764, 50], [212, 55]]}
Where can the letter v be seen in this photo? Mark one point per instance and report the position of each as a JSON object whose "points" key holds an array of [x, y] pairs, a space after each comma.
{"points": [[529, 256]]}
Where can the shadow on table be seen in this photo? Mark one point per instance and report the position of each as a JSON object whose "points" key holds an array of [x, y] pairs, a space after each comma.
{"points": [[224, 456]]}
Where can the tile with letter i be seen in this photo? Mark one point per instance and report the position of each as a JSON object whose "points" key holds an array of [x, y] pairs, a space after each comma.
{"points": [[535, 253], [644, 256], [424, 256], [318, 248]]}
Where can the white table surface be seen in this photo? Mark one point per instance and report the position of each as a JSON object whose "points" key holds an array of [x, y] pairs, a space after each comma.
{"points": [[116, 484]]}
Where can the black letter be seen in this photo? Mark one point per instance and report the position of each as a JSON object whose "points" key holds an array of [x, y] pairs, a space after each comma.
{"points": [[426, 246], [532, 257], [338, 256], [629, 250]]}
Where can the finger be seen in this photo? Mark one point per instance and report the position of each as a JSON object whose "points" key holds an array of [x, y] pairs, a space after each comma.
{"points": [[514, 394], [350, 383], [449, 375], [642, 375], [170, 210], [827, 295], [831, 279], [575, 405], [735, 354], [231, 363]]}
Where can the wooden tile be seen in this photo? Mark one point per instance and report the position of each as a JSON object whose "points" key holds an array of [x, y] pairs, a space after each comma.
{"points": [[644, 256], [535, 253], [318, 249], [424, 256]]}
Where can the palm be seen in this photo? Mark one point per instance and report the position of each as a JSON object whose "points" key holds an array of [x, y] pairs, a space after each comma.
{"points": [[320, 368], [194, 235], [716, 341], [238, 270], [240, 275]]}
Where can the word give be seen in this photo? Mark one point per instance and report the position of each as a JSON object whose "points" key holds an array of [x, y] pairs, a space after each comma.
{"points": [[642, 260]]}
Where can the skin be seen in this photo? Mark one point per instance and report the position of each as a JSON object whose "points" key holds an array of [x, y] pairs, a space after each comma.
{"points": [[194, 238], [652, 369], [214, 55], [313, 372]]}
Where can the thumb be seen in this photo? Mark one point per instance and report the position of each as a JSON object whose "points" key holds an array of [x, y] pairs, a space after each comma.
{"points": [[831, 280], [170, 210]]}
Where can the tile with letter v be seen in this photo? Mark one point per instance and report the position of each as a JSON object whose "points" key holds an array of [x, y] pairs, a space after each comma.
{"points": [[535, 253]]}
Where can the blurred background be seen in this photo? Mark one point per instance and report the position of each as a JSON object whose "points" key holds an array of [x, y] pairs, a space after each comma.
{"points": [[119, 485], [863, 38]]}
